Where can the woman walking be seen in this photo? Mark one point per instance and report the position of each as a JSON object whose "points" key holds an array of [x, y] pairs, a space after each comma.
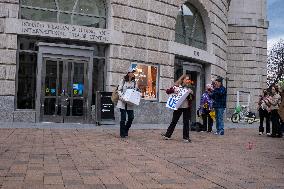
{"points": [[128, 82], [183, 82]]}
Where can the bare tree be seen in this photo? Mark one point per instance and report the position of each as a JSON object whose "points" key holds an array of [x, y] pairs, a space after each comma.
{"points": [[275, 63]]}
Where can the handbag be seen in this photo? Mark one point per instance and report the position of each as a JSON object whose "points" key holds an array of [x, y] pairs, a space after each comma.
{"points": [[115, 96]]}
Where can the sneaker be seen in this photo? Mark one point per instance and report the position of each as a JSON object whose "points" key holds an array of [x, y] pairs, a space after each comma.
{"points": [[268, 134], [186, 140], [260, 133], [165, 137], [216, 133]]}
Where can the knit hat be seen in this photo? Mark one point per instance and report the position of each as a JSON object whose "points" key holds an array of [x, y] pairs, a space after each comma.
{"points": [[219, 79]]}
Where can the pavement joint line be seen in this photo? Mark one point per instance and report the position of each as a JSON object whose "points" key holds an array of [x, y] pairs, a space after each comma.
{"points": [[136, 144]]}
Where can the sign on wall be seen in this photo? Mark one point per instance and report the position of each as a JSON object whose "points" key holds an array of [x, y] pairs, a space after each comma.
{"points": [[58, 30]]}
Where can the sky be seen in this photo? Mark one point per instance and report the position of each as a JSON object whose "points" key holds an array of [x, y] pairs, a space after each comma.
{"points": [[276, 21]]}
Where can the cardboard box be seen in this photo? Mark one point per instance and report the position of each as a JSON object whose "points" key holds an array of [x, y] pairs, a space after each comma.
{"points": [[132, 96], [176, 99]]}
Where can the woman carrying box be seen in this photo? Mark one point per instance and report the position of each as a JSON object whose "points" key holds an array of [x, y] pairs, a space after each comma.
{"points": [[128, 82], [183, 82]]}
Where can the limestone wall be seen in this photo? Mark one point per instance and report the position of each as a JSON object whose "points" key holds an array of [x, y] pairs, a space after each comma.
{"points": [[148, 26], [247, 51], [8, 54]]}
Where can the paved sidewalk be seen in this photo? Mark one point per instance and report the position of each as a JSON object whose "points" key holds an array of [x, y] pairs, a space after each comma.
{"points": [[55, 157], [94, 126]]}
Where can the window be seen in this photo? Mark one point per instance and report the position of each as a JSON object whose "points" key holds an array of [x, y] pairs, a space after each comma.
{"points": [[27, 75], [146, 79], [190, 28], [90, 13]]}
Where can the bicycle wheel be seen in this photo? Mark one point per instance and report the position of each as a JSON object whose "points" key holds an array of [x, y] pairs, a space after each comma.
{"points": [[235, 118]]}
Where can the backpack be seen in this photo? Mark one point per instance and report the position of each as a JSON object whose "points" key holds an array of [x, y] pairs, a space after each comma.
{"points": [[196, 126], [115, 96]]}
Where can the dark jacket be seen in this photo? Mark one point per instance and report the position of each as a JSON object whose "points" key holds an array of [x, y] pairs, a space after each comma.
{"points": [[219, 96]]}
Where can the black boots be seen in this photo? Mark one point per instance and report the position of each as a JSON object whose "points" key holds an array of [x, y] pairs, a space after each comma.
{"points": [[124, 128]]}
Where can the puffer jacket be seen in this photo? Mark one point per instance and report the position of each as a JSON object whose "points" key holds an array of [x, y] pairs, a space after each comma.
{"points": [[123, 86]]}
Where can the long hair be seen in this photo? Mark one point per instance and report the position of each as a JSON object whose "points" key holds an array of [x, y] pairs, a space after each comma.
{"points": [[126, 78], [180, 79]]}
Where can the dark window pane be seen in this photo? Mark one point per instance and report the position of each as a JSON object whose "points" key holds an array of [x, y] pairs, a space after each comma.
{"points": [[78, 107], [50, 78], [88, 21], [78, 80], [65, 18], [91, 7], [49, 4], [38, 15], [49, 106], [189, 27], [98, 77], [66, 5], [28, 44], [26, 81]]}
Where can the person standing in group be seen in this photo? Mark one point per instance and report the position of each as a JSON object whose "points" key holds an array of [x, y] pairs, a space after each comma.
{"points": [[128, 82], [275, 101], [219, 96], [264, 112], [204, 109], [183, 82], [281, 106]]}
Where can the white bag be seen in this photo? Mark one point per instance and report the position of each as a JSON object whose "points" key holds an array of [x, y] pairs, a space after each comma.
{"points": [[132, 96], [175, 100]]}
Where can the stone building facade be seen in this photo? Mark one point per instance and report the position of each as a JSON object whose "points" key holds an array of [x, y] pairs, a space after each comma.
{"points": [[54, 49]]}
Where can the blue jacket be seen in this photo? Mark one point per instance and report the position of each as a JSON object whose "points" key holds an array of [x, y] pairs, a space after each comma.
{"points": [[219, 96]]}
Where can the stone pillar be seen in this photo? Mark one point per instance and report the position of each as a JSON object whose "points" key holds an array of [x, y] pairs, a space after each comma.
{"points": [[247, 50], [8, 52]]}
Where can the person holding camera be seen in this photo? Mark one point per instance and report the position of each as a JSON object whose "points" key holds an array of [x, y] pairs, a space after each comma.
{"points": [[264, 112], [128, 82], [219, 96]]}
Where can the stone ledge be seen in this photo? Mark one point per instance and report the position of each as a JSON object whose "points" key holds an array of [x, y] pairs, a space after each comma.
{"points": [[25, 116]]}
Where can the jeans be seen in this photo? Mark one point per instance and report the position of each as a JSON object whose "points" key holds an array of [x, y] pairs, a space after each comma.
{"points": [[220, 120], [124, 128], [276, 127], [264, 114], [176, 115]]}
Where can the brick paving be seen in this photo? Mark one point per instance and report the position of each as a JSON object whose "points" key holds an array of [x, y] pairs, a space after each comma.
{"points": [[35, 158]]}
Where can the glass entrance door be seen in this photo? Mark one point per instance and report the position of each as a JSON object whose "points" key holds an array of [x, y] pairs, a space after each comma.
{"points": [[64, 91]]}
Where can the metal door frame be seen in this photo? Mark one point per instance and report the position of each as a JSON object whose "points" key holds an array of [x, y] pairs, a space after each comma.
{"points": [[69, 52], [200, 82], [67, 76]]}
